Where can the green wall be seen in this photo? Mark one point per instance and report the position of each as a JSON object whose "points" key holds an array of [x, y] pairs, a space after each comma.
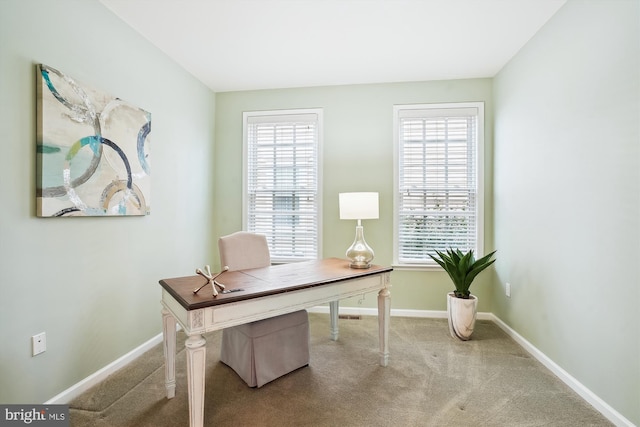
{"points": [[565, 200], [92, 283], [357, 156], [567, 196]]}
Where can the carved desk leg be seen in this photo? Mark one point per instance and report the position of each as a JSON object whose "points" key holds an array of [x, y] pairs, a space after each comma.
{"points": [[384, 313], [333, 310], [196, 361], [169, 345]]}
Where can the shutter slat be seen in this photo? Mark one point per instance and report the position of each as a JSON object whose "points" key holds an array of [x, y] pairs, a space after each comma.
{"points": [[282, 183], [437, 191]]}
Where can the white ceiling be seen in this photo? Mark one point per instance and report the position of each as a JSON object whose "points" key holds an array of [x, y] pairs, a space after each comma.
{"points": [[233, 45]]}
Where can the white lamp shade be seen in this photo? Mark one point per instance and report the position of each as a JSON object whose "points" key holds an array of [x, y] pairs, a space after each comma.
{"points": [[358, 205]]}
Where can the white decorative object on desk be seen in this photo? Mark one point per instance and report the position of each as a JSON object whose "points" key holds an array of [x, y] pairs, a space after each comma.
{"points": [[211, 279]]}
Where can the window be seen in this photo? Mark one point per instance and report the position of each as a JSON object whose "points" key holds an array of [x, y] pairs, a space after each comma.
{"points": [[282, 183], [438, 200]]}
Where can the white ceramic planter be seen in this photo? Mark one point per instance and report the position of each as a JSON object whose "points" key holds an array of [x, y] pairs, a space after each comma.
{"points": [[462, 315]]}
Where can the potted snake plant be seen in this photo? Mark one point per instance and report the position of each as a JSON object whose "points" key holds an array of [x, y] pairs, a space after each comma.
{"points": [[462, 306]]}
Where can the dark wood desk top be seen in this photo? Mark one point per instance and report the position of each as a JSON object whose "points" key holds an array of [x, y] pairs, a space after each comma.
{"points": [[259, 282]]}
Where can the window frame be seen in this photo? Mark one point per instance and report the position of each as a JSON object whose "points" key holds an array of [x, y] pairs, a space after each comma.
{"points": [[479, 171], [282, 116]]}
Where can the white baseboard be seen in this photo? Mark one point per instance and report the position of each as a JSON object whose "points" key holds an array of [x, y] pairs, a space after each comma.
{"points": [[600, 405], [77, 389], [431, 314]]}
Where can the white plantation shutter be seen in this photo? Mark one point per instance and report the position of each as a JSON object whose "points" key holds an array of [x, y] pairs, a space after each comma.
{"points": [[282, 192], [438, 182]]}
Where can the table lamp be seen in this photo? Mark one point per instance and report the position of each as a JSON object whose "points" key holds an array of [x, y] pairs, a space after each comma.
{"points": [[359, 206]]}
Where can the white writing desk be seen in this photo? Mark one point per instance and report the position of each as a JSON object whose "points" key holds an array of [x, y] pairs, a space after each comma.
{"points": [[267, 292]]}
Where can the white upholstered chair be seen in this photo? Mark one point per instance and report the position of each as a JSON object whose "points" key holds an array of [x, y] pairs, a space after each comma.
{"points": [[264, 350]]}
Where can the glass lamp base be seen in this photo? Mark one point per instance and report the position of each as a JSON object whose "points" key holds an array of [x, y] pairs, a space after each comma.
{"points": [[359, 253], [356, 264]]}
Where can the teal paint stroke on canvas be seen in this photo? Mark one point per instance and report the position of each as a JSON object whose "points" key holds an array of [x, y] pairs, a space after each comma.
{"points": [[93, 151]]}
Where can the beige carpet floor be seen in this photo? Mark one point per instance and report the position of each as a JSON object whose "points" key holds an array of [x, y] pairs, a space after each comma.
{"points": [[432, 380]]}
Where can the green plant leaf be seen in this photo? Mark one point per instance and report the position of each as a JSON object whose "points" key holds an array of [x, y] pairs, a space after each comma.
{"points": [[448, 263], [477, 270], [486, 258], [478, 267], [462, 268], [441, 263]]}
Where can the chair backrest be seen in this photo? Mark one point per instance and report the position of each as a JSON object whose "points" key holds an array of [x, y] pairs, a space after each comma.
{"points": [[242, 250]]}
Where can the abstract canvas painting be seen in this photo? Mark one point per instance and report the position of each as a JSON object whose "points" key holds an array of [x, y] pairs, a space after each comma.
{"points": [[92, 151]]}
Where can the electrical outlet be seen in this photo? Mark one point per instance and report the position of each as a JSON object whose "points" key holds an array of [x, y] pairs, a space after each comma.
{"points": [[508, 289], [38, 343]]}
